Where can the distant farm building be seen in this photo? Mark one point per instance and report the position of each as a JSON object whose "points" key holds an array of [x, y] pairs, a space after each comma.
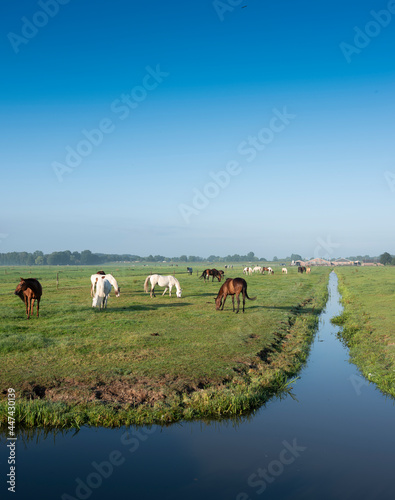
{"points": [[343, 262], [318, 262], [298, 263], [323, 262]]}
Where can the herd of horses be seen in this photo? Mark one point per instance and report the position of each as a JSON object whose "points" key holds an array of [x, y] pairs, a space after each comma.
{"points": [[258, 269], [30, 289]]}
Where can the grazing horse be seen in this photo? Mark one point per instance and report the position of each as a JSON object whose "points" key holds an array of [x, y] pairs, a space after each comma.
{"points": [[308, 270], [284, 270], [301, 269], [109, 277], [29, 290], [247, 270], [103, 289], [270, 270], [167, 281], [211, 272], [257, 269], [232, 287]]}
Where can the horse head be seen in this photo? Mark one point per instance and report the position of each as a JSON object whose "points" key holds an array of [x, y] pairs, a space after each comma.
{"points": [[21, 287]]}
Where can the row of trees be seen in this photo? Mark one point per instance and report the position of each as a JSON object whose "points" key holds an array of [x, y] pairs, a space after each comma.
{"points": [[86, 257]]}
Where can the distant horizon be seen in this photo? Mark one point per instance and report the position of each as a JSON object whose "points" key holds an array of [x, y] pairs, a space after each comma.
{"points": [[275, 258]]}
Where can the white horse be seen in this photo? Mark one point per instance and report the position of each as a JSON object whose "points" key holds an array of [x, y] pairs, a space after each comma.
{"points": [[284, 270], [247, 270], [257, 269], [108, 277], [270, 270], [103, 288], [167, 281]]}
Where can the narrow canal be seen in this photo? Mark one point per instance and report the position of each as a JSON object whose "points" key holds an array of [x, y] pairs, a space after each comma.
{"points": [[333, 440]]}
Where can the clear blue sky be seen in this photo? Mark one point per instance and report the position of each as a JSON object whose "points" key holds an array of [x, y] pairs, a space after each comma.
{"points": [[294, 98]]}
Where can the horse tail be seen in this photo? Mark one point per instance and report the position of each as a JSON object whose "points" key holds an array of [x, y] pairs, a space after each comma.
{"points": [[146, 283], [249, 298]]}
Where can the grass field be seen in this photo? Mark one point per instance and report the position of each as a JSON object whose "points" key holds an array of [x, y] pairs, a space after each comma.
{"points": [[149, 360], [368, 321]]}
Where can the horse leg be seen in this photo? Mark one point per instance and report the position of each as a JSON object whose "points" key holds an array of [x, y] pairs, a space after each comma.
{"points": [[27, 306], [166, 291], [244, 299], [223, 303], [233, 302], [31, 306], [152, 291], [238, 302]]}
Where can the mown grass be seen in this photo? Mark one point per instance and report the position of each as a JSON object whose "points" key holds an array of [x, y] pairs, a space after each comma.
{"points": [[153, 360], [368, 322]]}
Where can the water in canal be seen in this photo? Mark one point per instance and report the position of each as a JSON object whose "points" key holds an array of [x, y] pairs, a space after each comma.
{"points": [[335, 440]]}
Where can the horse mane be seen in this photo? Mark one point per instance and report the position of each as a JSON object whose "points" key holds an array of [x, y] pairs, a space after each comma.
{"points": [[176, 281]]}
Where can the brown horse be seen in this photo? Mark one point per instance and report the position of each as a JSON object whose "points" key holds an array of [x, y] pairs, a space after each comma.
{"points": [[211, 272], [232, 287], [29, 290], [301, 269]]}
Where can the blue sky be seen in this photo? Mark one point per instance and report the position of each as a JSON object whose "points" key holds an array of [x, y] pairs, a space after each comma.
{"points": [[295, 99]]}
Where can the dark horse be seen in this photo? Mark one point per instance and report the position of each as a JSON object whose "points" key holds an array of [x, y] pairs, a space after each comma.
{"points": [[29, 290], [232, 287], [301, 269], [211, 272]]}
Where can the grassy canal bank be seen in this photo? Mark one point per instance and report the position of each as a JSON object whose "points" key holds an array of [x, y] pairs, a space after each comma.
{"points": [[368, 322], [146, 360]]}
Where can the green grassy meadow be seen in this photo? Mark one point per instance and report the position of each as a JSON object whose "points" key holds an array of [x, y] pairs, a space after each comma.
{"points": [[146, 360], [368, 321]]}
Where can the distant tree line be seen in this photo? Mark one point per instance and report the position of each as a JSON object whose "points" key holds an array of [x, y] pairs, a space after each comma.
{"points": [[86, 257]]}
